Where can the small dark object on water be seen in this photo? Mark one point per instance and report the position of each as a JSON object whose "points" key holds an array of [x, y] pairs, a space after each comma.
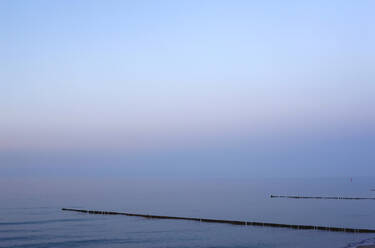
{"points": [[233, 222]]}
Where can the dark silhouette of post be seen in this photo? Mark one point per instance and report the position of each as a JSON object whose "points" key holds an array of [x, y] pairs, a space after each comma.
{"points": [[233, 222]]}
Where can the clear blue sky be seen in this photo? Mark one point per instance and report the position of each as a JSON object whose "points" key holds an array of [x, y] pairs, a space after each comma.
{"points": [[212, 87]]}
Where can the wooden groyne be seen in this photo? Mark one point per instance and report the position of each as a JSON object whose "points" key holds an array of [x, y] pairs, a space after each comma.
{"points": [[322, 197], [233, 222]]}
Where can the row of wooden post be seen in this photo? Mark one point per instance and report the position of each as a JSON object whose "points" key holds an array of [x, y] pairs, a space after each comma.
{"points": [[322, 197], [233, 222]]}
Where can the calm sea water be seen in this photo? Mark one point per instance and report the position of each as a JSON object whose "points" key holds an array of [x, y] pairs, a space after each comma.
{"points": [[31, 216]]}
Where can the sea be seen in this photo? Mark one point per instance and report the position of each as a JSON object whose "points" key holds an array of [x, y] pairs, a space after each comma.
{"points": [[31, 215]]}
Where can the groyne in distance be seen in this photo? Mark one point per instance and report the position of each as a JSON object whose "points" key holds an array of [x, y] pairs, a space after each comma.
{"points": [[322, 197], [233, 222]]}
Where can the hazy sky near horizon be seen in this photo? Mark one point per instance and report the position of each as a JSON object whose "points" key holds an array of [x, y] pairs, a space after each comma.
{"points": [[180, 82]]}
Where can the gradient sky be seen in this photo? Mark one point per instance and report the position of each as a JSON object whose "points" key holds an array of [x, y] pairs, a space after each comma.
{"points": [[269, 88]]}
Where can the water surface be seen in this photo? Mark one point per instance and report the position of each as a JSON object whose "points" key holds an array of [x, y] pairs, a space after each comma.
{"points": [[31, 216]]}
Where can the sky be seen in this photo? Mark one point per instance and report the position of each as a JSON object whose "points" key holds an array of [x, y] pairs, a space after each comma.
{"points": [[187, 88]]}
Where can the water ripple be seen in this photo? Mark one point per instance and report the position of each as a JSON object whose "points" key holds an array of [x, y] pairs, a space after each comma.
{"points": [[78, 243], [40, 222]]}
